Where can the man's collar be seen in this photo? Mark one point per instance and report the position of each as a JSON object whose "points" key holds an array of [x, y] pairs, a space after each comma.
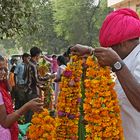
{"points": [[34, 62], [134, 52]]}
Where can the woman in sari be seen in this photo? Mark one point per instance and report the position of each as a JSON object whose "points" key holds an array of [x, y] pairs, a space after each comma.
{"points": [[9, 117]]}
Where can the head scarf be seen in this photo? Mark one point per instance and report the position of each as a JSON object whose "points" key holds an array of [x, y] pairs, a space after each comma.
{"points": [[120, 25]]}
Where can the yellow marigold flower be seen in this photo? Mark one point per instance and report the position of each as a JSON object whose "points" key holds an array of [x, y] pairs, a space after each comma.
{"points": [[68, 101], [42, 126], [101, 106]]}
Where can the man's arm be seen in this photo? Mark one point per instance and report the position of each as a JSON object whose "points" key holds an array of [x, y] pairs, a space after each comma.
{"points": [[130, 86], [48, 59]]}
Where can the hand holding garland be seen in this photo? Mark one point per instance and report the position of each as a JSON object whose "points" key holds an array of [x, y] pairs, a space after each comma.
{"points": [[6, 121], [107, 57]]}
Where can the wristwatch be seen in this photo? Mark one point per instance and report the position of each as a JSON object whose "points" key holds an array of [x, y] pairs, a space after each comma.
{"points": [[117, 66]]}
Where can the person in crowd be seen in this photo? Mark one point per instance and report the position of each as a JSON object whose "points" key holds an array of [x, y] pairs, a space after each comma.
{"points": [[62, 65], [9, 117], [11, 81], [119, 38], [13, 63], [34, 81], [11, 78], [67, 54], [20, 82], [53, 61]]}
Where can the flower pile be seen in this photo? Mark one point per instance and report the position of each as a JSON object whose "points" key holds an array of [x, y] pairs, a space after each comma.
{"points": [[101, 107], [42, 127], [69, 101]]}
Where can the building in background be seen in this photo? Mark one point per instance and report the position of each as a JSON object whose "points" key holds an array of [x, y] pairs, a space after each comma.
{"points": [[133, 4]]}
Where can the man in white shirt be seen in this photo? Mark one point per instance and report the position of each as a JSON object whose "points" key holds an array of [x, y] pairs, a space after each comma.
{"points": [[121, 31]]}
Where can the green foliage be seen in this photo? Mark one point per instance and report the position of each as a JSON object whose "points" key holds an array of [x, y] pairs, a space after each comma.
{"points": [[42, 35], [11, 12], [79, 21], [70, 20], [50, 24]]}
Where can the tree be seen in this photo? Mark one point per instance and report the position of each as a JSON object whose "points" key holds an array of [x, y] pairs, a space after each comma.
{"points": [[52, 24], [11, 13], [78, 21], [42, 35]]}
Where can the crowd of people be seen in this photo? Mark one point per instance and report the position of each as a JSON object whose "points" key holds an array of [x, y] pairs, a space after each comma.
{"points": [[20, 88], [120, 49]]}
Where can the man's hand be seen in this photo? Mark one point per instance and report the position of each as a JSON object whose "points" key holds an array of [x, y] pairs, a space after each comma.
{"points": [[81, 50], [106, 56]]}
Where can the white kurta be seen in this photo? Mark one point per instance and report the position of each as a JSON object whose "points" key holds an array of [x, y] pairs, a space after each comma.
{"points": [[58, 76], [130, 116]]}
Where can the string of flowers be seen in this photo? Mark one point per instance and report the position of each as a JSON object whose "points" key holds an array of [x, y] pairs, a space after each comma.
{"points": [[101, 107], [42, 127], [46, 89], [69, 101]]}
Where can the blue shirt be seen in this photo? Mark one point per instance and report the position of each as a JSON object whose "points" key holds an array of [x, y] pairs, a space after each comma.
{"points": [[19, 71]]}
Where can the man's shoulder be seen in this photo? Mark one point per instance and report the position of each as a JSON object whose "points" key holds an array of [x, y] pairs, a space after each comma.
{"points": [[20, 65], [31, 66]]}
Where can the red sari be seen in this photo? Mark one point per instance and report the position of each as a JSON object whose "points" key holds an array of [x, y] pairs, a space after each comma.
{"points": [[9, 109]]}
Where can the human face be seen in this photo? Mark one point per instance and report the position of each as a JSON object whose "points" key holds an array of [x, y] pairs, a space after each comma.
{"points": [[67, 59], [121, 50], [58, 62], [27, 59], [37, 57]]}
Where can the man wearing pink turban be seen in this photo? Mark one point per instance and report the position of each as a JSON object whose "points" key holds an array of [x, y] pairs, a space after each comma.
{"points": [[119, 38]]}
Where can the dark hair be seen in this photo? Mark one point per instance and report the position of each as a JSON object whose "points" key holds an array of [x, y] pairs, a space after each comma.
{"points": [[13, 60], [53, 56], [62, 60], [12, 69], [35, 51], [1, 58], [67, 53], [134, 39], [25, 55]]}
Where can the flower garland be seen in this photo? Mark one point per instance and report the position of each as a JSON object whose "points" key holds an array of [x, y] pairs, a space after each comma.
{"points": [[46, 90], [101, 106], [69, 101], [42, 127], [43, 68]]}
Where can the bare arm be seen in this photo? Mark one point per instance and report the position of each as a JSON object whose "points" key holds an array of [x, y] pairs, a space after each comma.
{"points": [[7, 120], [130, 86], [48, 59]]}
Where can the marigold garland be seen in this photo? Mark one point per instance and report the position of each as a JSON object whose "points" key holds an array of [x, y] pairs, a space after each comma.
{"points": [[101, 109], [69, 101], [43, 68], [46, 90], [42, 127], [101, 106]]}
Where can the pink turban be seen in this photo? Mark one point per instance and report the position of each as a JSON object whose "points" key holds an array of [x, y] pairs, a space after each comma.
{"points": [[119, 26]]}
